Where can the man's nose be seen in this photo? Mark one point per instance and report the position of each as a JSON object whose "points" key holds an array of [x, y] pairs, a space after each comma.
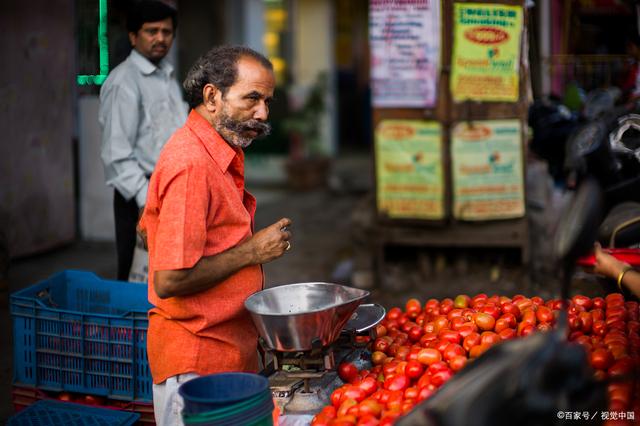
{"points": [[161, 37], [262, 112]]}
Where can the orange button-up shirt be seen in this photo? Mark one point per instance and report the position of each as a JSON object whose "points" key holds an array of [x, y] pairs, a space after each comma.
{"points": [[197, 206]]}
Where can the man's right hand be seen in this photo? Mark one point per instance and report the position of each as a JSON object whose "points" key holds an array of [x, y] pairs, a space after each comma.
{"points": [[271, 242]]}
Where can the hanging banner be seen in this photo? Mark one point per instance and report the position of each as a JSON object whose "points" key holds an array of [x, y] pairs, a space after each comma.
{"points": [[404, 37], [486, 52], [486, 160], [409, 175]]}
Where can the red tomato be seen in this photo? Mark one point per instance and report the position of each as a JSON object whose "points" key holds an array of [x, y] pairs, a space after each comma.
{"points": [[479, 298], [470, 341], [525, 330], [441, 377], [614, 299], [415, 333], [368, 385], [583, 301], [437, 367], [458, 362], [452, 350], [378, 357], [427, 337], [507, 334], [382, 344], [528, 318], [414, 369], [598, 303], [484, 321], [411, 393], [492, 310], [389, 368], [381, 330], [345, 406], [461, 301], [574, 322], [523, 304], [446, 306], [457, 323], [389, 418], [454, 313], [368, 420], [424, 393], [451, 336], [394, 313], [544, 314], [586, 322], [440, 322], [413, 308], [347, 372], [601, 359], [501, 324], [477, 350], [399, 382], [370, 407], [352, 392], [336, 395], [489, 338], [424, 381], [511, 308], [329, 412]]}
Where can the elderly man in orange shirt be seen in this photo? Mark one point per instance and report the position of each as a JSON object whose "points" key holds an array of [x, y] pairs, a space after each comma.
{"points": [[204, 256]]}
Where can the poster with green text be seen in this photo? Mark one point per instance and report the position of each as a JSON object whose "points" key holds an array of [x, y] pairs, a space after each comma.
{"points": [[486, 52], [409, 173], [487, 168]]}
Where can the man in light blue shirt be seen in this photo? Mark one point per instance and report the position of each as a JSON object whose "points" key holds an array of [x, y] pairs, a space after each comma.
{"points": [[141, 105]]}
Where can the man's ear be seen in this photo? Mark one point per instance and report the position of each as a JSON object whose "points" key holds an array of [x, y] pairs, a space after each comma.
{"points": [[132, 39], [211, 97]]}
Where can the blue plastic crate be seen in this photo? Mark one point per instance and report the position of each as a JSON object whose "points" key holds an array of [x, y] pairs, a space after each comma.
{"points": [[79, 333], [54, 413]]}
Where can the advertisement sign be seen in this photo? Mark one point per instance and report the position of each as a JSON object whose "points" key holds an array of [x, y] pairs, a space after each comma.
{"points": [[486, 52], [409, 175], [486, 162], [404, 37]]}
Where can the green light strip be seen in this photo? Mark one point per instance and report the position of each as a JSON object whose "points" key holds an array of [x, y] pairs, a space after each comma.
{"points": [[103, 46], [103, 42]]}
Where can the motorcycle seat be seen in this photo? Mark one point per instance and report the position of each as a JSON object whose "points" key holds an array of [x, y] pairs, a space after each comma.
{"points": [[621, 227]]}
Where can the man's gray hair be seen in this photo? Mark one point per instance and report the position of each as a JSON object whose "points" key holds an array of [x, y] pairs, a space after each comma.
{"points": [[219, 66]]}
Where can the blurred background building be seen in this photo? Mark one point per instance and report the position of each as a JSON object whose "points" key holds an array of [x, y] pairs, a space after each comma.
{"points": [[57, 52]]}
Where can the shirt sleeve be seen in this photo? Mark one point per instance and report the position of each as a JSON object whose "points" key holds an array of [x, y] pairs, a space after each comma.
{"points": [[119, 117], [183, 205]]}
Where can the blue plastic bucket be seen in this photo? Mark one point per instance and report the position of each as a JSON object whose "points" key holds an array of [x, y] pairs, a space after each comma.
{"points": [[217, 392]]}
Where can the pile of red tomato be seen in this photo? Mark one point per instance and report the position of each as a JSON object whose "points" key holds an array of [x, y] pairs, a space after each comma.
{"points": [[417, 350]]}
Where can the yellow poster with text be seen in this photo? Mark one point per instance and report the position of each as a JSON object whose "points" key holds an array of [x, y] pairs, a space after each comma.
{"points": [[487, 170], [486, 52], [409, 175]]}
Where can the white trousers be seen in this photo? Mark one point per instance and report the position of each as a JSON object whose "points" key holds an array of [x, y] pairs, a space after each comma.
{"points": [[167, 403]]}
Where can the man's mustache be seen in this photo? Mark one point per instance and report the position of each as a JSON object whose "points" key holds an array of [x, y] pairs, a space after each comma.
{"points": [[259, 127]]}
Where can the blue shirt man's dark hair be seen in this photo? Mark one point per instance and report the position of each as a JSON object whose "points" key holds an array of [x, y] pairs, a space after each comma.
{"points": [[150, 11]]}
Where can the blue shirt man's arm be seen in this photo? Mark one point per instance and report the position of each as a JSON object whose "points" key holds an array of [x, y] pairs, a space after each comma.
{"points": [[119, 118]]}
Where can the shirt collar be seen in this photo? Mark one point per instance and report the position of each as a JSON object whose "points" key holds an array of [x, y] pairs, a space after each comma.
{"points": [[221, 152], [147, 67]]}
